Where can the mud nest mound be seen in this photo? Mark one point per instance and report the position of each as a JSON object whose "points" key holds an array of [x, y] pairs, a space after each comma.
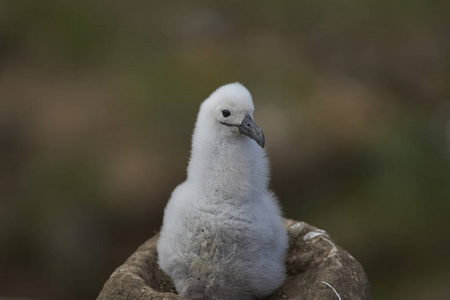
{"points": [[316, 269]]}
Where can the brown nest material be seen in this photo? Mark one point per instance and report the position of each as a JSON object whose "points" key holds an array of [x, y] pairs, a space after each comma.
{"points": [[317, 269]]}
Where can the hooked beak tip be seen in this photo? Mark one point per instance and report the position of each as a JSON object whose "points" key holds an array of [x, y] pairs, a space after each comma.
{"points": [[251, 130]]}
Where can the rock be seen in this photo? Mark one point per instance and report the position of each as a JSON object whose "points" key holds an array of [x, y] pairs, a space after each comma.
{"points": [[317, 269]]}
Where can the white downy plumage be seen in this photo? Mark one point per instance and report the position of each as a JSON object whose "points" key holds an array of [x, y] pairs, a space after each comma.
{"points": [[222, 235]]}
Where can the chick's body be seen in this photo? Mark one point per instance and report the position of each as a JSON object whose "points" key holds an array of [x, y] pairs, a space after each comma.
{"points": [[222, 234]]}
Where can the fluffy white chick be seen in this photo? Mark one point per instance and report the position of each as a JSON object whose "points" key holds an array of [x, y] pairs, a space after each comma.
{"points": [[222, 235]]}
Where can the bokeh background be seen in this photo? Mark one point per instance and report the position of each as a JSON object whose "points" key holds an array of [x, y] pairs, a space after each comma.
{"points": [[98, 101]]}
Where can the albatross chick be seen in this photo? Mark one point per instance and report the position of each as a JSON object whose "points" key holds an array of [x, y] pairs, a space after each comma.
{"points": [[222, 235]]}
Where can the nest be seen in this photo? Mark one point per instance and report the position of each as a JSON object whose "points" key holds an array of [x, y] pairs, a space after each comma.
{"points": [[316, 269]]}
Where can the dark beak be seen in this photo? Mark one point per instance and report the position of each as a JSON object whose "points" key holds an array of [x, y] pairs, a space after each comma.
{"points": [[250, 129]]}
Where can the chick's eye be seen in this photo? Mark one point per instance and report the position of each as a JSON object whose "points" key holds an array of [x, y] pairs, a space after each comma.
{"points": [[226, 113]]}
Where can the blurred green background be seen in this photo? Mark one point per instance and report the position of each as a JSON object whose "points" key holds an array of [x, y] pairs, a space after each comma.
{"points": [[98, 101]]}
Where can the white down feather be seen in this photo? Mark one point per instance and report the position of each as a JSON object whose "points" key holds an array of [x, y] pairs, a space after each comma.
{"points": [[222, 235]]}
